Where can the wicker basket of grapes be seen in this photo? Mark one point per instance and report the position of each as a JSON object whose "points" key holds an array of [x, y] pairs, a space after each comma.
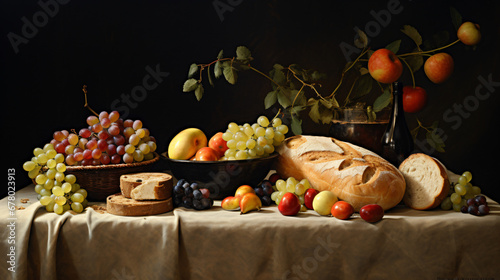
{"points": [[103, 180]]}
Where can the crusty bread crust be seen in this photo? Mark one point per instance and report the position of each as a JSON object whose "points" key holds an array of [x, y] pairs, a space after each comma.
{"points": [[436, 192], [117, 204], [354, 174], [128, 182]]}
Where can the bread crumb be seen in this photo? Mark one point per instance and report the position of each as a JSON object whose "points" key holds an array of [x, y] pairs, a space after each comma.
{"points": [[98, 209], [25, 200], [20, 208]]}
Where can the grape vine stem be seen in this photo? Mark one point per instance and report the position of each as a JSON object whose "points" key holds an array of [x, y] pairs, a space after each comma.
{"points": [[84, 89]]}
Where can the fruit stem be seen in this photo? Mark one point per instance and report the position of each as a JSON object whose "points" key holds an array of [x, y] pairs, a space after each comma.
{"points": [[411, 72], [429, 51], [347, 69], [84, 89], [255, 70]]}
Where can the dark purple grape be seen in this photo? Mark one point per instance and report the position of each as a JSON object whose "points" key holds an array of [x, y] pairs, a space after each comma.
{"points": [[188, 191], [178, 189], [197, 194], [195, 186], [181, 182], [186, 185], [484, 209], [206, 203], [266, 183], [464, 209], [266, 200], [259, 191], [480, 199], [187, 202], [473, 210], [471, 201], [197, 204], [177, 201], [267, 189]]}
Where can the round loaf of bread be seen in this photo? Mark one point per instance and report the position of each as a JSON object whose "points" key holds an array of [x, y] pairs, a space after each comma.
{"points": [[427, 181], [129, 182], [117, 204], [354, 174]]}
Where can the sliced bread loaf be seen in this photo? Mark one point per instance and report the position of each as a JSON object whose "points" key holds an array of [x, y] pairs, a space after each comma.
{"points": [[427, 181]]}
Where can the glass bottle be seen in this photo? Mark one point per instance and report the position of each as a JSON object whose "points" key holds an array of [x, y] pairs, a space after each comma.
{"points": [[397, 142]]}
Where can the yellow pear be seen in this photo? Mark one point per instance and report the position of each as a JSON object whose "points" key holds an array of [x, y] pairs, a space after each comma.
{"points": [[185, 144], [248, 202]]}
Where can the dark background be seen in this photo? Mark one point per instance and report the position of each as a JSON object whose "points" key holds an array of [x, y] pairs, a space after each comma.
{"points": [[107, 45]]}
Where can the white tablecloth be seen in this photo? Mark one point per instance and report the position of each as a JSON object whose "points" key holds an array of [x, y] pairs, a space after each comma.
{"points": [[219, 244]]}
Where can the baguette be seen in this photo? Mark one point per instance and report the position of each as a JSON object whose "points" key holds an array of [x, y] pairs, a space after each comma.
{"points": [[354, 174], [427, 181]]}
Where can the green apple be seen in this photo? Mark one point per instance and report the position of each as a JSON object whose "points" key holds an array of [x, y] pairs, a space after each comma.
{"points": [[469, 33], [323, 202], [185, 144]]}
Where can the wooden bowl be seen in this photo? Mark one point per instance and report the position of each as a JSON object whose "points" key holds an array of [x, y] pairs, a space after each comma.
{"points": [[101, 181]]}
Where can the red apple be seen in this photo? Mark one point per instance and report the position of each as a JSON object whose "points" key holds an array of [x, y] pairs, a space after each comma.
{"points": [[414, 99], [439, 67], [342, 210], [371, 213], [289, 204], [309, 197], [385, 66], [469, 33], [207, 154], [218, 144]]}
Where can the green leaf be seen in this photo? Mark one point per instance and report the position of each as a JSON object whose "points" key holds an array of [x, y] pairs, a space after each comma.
{"points": [[435, 141], [362, 40], [411, 32], [363, 71], [326, 115], [220, 55], [315, 76], [198, 92], [192, 70], [297, 109], [415, 61], [394, 46], [217, 70], [283, 99], [456, 18], [243, 54], [190, 85], [299, 100], [314, 112], [278, 76], [270, 99], [437, 40], [278, 66], [229, 72], [382, 101], [210, 81], [362, 87], [296, 125]]}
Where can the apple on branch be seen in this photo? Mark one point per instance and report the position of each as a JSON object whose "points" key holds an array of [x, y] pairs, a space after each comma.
{"points": [[414, 99], [384, 66], [439, 67], [469, 33]]}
